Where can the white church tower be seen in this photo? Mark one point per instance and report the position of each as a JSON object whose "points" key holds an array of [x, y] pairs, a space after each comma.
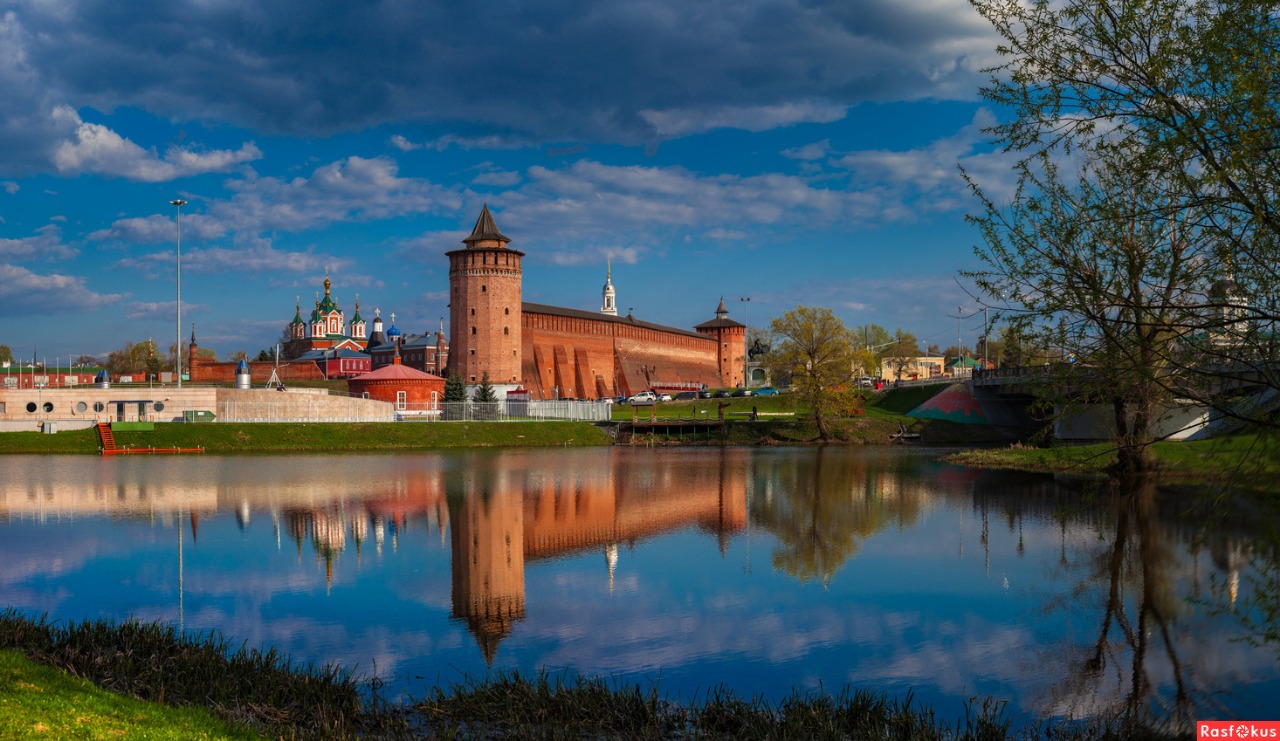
{"points": [[610, 298]]}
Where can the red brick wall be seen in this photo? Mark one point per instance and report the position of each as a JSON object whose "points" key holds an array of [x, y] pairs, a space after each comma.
{"points": [[417, 393], [582, 358], [211, 371], [484, 314]]}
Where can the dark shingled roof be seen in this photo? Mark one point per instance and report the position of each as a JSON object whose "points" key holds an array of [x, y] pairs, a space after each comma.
{"points": [[529, 308], [486, 229]]}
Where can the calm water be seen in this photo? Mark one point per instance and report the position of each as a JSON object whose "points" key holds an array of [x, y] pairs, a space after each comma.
{"points": [[758, 570]]}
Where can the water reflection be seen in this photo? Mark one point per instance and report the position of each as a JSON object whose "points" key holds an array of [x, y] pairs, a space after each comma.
{"points": [[888, 569]]}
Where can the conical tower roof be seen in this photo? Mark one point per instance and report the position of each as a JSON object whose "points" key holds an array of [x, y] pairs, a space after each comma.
{"points": [[486, 229]]}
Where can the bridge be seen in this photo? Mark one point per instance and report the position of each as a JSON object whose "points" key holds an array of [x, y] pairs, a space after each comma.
{"points": [[1005, 397]]}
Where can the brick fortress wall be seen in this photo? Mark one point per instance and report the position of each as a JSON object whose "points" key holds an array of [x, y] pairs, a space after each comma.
{"points": [[582, 358], [212, 371]]}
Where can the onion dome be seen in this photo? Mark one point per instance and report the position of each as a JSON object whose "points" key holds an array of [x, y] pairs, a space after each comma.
{"points": [[394, 332], [242, 368], [327, 304], [297, 311]]}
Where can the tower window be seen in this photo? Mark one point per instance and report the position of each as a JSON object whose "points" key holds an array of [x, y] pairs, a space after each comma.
{"points": [[484, 289], [505, 330], [473, 331], [473, 312], [506, 311]]}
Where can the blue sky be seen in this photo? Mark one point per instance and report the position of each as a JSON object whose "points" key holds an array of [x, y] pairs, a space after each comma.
{"points": [[790, 151]]}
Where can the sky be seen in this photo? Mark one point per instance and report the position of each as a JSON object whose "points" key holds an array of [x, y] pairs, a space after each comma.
{"points": [[789, 152]]}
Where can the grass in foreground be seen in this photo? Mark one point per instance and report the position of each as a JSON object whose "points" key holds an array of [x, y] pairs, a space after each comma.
{"points": [[38, 701], [265, 692], [222, 438]]}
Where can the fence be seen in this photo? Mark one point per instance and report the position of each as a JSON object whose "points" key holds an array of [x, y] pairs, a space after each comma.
{"points": [[505, 411]]}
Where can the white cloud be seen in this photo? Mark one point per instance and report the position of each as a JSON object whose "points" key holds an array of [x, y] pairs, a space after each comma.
{"points": [[46, 244], [10, 187], [140, 310], [23, 292], [497, 178], [403, 144], [809, 152], [94, 148], [682, 122]]}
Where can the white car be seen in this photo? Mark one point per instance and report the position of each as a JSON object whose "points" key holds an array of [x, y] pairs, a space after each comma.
{"points": [[664, 397], [643, 398]]}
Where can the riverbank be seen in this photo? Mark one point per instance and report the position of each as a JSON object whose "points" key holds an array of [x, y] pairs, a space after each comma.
{"points": [[1244, 461], [249, 691]]}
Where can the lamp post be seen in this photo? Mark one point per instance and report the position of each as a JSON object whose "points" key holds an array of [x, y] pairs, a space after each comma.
{"points": [[746, 340], [178, 203]]}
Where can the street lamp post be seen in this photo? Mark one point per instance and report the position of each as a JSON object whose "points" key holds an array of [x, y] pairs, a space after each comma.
{"points": [[746, 342], [178, 203]]}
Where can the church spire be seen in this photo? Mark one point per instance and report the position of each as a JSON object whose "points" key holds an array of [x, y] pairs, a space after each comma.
{"points": [[610, 305]]}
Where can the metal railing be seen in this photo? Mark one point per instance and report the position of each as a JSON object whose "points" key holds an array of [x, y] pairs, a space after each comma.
{"points": [[505, 411]]}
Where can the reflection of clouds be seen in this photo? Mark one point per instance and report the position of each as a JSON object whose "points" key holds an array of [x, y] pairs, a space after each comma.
{"points": [[920, 604]]}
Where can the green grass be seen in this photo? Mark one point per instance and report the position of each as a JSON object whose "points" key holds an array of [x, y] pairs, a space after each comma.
{"points": [[266, 692], [225, 438], [38, 701], [1244, 460], [903, 400]]}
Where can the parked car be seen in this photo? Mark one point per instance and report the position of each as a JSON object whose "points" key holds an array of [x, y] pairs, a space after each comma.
{"points": [[664, 397], [686, 396], [721, 394], [739, 393], [704, 394], [765, 391], [644, 398]]}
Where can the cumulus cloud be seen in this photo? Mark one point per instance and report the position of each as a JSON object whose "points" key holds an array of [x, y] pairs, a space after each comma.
{"points": [[257, 257], [349, 190], [94, 148], [158, 310], [10, 187], [46, 244], [22, 290], [403, 144]]}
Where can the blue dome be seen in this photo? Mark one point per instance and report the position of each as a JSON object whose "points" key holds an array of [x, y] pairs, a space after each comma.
{"points": [[102, 376], [393, 332], [242, 368]]}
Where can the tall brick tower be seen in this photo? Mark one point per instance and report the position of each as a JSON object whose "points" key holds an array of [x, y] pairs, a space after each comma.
{"points": [[731, 338], [484, 306]]}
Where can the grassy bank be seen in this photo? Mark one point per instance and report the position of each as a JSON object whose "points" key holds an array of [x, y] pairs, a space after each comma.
{"points": [[226, 438], [38, 701], [1243, 460], [263, 691]]}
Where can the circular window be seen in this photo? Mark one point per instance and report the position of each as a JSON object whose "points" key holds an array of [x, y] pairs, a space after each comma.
{"points": [[81, 407], [159, 406], [48, 406], [98, 406], [31, 407]]}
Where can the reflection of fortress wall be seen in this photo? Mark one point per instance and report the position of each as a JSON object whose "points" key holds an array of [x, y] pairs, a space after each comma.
{"points": [[640, 500], [488, 562]]}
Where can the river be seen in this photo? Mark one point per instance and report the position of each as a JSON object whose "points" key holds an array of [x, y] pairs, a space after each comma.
{"points": [[761, 571]]}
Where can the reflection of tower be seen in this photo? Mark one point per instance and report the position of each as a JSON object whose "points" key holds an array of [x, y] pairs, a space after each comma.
{"points": [[1231, 556], [611, 558], [488, 565]]}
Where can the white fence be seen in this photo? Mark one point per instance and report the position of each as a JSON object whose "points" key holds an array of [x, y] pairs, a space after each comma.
{"points": [[505, 411]]}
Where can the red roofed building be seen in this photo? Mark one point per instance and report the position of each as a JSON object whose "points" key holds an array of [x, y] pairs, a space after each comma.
{"points": [[411, 391]]}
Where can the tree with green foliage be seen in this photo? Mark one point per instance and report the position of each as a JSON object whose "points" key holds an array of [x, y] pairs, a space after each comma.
{"points": [[455, 396], [1184, 95], [6, 354], [1106, 266], [902, 354], [815, 348], [485, 399]]}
